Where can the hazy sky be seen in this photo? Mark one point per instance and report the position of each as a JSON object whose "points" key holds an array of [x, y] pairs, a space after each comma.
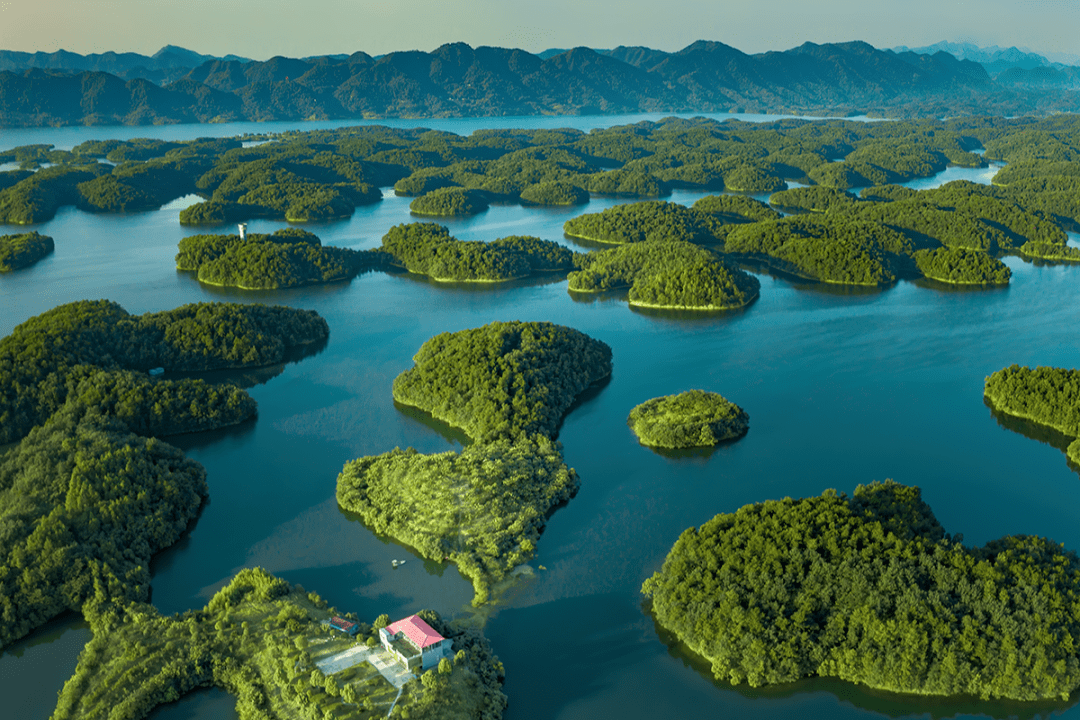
{"points": [[263, 28]]}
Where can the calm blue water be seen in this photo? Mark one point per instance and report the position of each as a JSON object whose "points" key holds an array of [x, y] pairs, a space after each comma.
{"points": [[842, 388]]}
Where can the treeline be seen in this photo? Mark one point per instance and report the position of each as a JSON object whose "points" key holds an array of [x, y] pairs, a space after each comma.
{"points": [[666, 274], [252, 639], [45, 358], [286, 258], [325, 174], [429, 249], [961, 266], [508, 386], [1044, 395], [694, 418], [23, 250], [871, 590]]}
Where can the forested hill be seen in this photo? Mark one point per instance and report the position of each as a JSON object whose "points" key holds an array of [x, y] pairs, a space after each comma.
{"points": [[458, 80]]}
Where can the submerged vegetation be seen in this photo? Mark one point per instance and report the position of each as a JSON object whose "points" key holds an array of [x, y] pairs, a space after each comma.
{"points": [[871, 590], [508, 386], [265, 642], [23, 250], [694, 418]]}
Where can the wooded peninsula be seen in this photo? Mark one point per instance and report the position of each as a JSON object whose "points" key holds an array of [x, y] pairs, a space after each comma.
{"points": [[508, 386]]}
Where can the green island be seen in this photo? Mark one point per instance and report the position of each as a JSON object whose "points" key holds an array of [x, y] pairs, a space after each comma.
{"points": [[23, 250], [694, 418], [449, 202], [960, 266], [871, 590], [88, 493], [648, 220], [1044, 395], [666, 275], [816, 198], [281, 652], [43, 359], [554, 193], [507, 385], [429, 249], [286, 258], [735, 209]]}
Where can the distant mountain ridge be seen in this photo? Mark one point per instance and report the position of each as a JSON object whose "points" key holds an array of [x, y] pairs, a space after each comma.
{"points": [[168, 64], [994, 59], [459, 80]]}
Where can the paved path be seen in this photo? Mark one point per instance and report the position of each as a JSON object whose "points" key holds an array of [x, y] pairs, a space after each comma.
{"points": [[343, 660], [383, 661]]}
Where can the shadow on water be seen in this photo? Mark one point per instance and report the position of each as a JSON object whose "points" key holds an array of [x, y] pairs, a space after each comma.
{"points": [[585, 397], [890, 704], [694, 453], [197, 440], [1030, 429], [604, 296], [453, 435], [693, 316], [431, 567], [252, 376], [162, 561], [590, 244], [535, 280], [944, 287], [211, 703]]}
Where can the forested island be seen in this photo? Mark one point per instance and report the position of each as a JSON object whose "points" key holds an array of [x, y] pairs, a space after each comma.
{"points": [[449, 202], [88, 494], [507, 385], [262, 640], [429, 249], [23, 250], [286, 258], [1044, 395], [694, 418], [672, 275], [870, 589]]}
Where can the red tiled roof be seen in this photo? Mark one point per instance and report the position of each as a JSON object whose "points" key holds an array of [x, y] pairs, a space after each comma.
{"points": [[342, 623], [419, 632]]}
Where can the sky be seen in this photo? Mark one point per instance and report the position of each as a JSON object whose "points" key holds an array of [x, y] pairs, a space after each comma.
{"points": [[261, 29]]}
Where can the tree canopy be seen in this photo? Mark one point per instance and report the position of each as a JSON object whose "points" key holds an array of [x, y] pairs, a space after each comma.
{"points": [[694, 418]]}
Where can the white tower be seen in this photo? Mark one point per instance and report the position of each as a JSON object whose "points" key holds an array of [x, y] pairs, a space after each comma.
{"points": [[243, 230]]}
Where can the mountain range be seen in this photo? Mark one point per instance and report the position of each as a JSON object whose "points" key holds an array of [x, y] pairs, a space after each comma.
{"points": [[458, 80]]}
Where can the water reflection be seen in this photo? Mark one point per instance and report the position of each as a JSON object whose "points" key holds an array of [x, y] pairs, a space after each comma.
{"points": [[1030, 429], [890, 704]]}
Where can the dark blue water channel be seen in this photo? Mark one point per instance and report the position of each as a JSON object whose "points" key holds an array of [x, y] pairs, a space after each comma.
{"points": [[842, 388]]}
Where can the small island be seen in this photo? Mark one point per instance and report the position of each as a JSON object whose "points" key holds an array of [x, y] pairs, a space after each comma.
{"points": [[283, 654], [641, 221], [554, 193], [450, 202], [1044, 395], [960, 266], [694, 418], [429, 249], [670, 275], [23, 250], [870, 589], [508, 386], [286, 258]]}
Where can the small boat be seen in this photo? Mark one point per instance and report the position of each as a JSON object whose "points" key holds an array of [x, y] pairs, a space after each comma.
{"points": [[395, 563]]}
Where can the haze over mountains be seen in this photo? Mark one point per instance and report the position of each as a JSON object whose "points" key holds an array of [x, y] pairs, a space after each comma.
{"points": [[177, 85]]}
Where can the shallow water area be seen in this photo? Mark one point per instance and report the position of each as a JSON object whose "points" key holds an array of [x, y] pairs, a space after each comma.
{"points": [[842, 387]]}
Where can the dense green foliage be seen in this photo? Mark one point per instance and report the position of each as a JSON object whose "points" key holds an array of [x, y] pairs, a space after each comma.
{"points": [[816, 198], [694, 418], [260, 639], [504, 380], [449, 202], [1045, 395], [38, 197], [507, 385], [871, 590], [1058, 252], [23, 249], [736, 209], [483, 508], [45, 358], [649, 220], [84, 504], [668, 274], [429, 249], [283, 259], [554, 193], [823, 248], [961, 266]]}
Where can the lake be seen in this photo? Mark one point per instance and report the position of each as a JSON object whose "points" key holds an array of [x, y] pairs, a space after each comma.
{"points": [[842, 387]]}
